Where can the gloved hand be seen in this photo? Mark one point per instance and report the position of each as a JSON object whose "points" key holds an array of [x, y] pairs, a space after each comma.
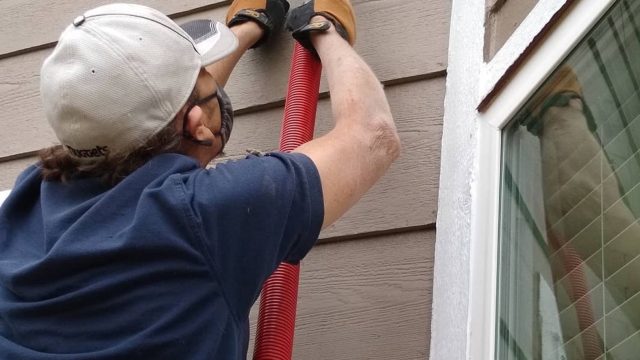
{"points": [[268, 14], [339, 12], [558, 91]]}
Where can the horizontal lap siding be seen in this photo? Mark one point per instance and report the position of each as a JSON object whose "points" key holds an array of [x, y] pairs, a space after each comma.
{"points": [[35, 23], [412, 62], [367, 296], [366, 299], [396, 52], [503, 18], [405, 197]]}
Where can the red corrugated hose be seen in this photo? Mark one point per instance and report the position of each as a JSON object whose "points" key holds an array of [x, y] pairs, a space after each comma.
{"points": [[580, 298], [279, 296]]}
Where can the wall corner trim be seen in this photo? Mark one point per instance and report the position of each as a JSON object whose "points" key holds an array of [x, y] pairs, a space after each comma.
{"points": [[451, 292], [466, 251]]}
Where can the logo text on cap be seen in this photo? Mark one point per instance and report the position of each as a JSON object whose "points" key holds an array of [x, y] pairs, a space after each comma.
{"points": [[98, 151]]}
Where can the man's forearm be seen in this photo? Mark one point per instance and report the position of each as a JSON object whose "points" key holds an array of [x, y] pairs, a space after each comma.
{"points": [[247, 33], [356, 93], [364, 142]]}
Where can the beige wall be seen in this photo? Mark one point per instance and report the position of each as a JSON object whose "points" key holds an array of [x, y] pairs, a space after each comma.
{"points": [[366, 288], [502, 19]]}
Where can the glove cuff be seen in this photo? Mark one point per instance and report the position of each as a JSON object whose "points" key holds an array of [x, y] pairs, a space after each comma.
{"points": [[303, 34], [339, 12], [339, 28], [299, 24]]}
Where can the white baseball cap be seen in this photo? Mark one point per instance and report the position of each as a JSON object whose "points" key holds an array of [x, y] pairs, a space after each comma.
{"points": [[121, 72]]}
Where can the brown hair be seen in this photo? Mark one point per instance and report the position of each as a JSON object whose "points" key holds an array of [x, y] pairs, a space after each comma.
{"points": [[57, 164]]}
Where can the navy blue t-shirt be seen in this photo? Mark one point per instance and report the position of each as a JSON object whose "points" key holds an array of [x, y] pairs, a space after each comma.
{"points": [[165, 265]]}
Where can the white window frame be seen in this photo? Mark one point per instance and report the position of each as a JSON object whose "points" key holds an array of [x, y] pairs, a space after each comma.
{"points": [[472, 281]]}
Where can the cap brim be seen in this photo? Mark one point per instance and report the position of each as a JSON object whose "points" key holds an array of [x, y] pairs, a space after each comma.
{"points": [[213, 40]]}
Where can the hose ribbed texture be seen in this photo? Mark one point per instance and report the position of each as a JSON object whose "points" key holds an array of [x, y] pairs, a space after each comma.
{"points": [[279, 297], [277, 319], [302, 100], [579, 294]]}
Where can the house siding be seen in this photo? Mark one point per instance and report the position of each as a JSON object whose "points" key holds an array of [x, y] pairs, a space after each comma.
{"points": [[366, 287], [502, 19]]}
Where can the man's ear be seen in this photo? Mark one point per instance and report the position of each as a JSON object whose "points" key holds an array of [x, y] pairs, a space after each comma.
{"points": [[195, 122]]}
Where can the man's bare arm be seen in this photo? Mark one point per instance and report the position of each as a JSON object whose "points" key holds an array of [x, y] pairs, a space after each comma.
{"points": [[364, 141], [247, 33], [253, 22]]}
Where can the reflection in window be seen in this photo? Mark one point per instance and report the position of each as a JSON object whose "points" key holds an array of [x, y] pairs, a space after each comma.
{"points": [[569, 264]]}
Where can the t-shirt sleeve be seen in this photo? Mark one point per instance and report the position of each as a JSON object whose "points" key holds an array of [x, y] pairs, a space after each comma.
{"points": [[254, 214]]}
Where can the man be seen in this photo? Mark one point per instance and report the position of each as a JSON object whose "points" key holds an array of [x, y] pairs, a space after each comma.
{"points": [[589, 226], [120, 244]]}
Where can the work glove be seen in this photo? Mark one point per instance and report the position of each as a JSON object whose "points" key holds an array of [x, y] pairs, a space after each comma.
{"points": [[268, 14], [558, 91], [339, 12]]}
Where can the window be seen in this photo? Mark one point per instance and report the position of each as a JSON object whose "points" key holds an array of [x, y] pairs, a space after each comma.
{"points": [[569, 251]]}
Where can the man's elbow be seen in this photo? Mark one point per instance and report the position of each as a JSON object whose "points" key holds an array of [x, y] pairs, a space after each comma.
{"points": [[386, 140]]}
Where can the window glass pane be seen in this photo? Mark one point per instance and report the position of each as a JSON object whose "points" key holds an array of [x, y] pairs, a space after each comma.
{"points": [[569, 262]]}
